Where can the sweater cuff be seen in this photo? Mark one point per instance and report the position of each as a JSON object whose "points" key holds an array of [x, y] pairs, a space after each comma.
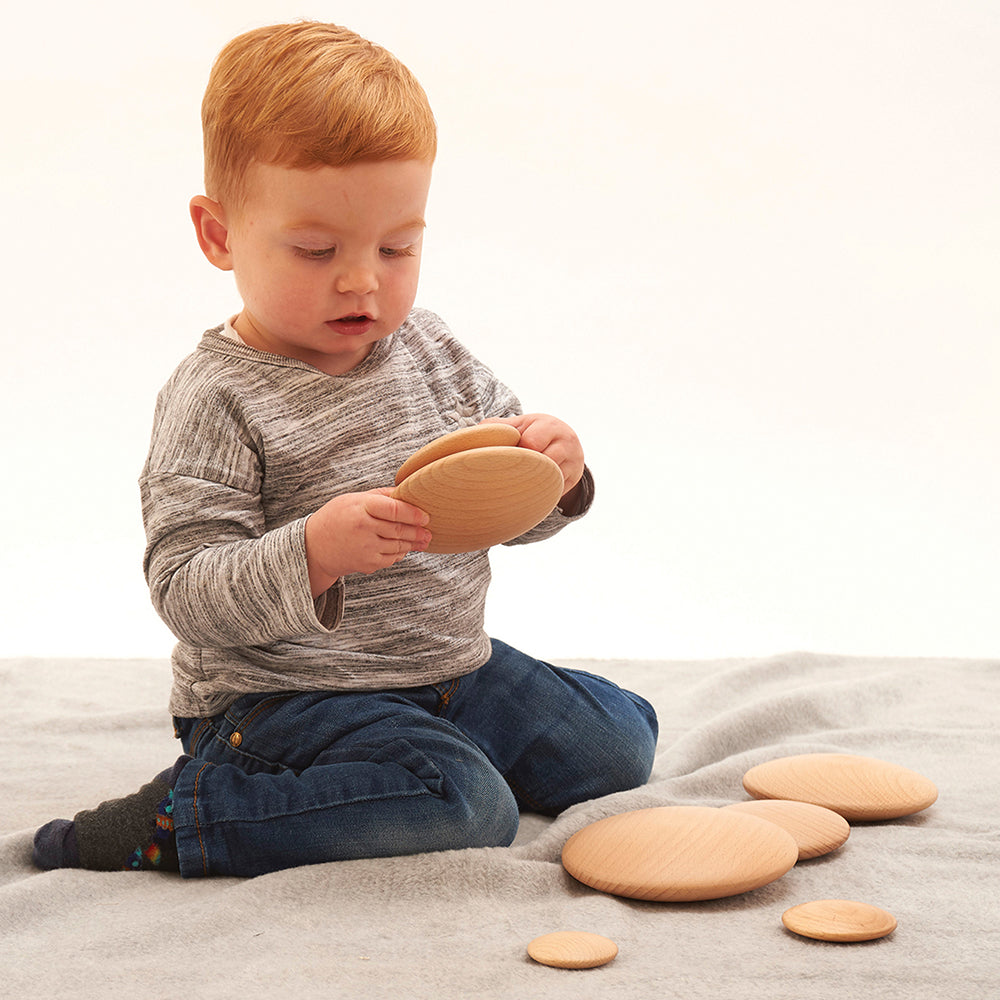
{"points": [[586, 496], [330, 607]]}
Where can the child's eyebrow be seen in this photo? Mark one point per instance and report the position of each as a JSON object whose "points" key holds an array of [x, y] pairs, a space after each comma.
{"points": [[416, 223], [407, 227], [319, 227]]}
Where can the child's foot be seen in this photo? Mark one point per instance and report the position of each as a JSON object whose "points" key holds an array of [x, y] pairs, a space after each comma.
{"points": [[134, 832]]}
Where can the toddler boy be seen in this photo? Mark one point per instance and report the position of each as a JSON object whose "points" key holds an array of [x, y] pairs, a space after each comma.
{"points": [[334, 691]]}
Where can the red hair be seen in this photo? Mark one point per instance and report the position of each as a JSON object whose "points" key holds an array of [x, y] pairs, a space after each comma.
{"points": [[306, 95]]}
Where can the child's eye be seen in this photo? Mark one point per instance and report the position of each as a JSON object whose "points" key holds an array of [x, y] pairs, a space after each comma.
{"points": [[392, 252], [316, 254]]}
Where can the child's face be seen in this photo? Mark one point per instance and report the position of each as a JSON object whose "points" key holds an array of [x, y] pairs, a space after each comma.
{"points": [[326, 260]]}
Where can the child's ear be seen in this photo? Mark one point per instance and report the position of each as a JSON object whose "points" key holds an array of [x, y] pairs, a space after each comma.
{"points": [[209, 220]]}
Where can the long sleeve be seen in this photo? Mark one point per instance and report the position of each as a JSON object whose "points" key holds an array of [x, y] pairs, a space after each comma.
{"points": [[218, 574]]}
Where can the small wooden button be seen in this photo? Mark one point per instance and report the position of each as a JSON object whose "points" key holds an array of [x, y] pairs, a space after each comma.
{"points": [[816, 829], [235, 740], [859, 788], [572, 950], [679, 853], [839, 920]]}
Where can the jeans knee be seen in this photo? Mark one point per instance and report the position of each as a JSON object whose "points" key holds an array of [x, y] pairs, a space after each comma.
{"points": [[638, 745], [635, 764], [622, 758], [487, 815], [647, 731]]}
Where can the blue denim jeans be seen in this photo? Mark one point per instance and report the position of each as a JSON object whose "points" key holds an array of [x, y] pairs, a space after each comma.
{"points": [[287, 779]]}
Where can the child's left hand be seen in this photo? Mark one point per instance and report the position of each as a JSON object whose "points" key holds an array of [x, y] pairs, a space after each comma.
{"points": [[556, 440]]}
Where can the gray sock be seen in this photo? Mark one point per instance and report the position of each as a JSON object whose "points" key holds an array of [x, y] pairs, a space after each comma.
{"points": [[136, 832]]}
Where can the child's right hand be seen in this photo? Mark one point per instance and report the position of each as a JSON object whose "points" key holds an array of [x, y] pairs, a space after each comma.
{"points": [[361, 533]]}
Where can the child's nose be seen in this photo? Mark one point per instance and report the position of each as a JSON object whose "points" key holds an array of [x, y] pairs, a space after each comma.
{"points": [[358, 279]]}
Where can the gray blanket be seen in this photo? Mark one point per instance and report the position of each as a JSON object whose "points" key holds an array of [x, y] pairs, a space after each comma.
{"points": [[456, 925]]}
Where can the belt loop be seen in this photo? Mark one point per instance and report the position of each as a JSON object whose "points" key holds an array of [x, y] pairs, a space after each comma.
{"points": [[445, 693]]}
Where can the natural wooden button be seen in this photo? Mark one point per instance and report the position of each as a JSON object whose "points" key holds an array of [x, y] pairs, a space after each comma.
{"points": [[816, 829], [858, 788], [679, 853], [572, 950], [481, 496], [839, 920]]}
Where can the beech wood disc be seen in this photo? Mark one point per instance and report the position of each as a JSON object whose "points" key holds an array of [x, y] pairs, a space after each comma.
{"points": [[572, 950], [679, 853], [816, 829], [859, 788], [483, 497], [839, 920], [479, 436]]}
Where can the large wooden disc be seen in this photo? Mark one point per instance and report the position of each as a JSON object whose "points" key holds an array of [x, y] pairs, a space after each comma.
{"points": [[816, 830], [483, 497], [572, 950], [859, 788], [679, 853], [839, 920], [480, 436]]}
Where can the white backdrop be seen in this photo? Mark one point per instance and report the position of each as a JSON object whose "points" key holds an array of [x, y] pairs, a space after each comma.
{"points": [[749, 249]]}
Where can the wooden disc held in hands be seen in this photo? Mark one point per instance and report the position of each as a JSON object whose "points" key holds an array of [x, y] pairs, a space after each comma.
{"points": [[679, 853], [839, 920], [858, 788], [480, 436], [479, 495]]}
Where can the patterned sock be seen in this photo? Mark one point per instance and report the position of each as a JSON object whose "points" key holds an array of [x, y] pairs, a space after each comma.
{"points": [[161, 851], [134, 832]]}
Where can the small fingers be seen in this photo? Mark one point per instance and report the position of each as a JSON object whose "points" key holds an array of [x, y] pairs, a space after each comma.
{"points": [[385, 507], [403, 538], [386, 552], [556, 440], [401, 527]]}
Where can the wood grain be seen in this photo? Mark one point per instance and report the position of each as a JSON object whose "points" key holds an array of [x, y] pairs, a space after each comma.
{"points": [[483, 497], [816, 829], [858, 788], [679, 853], [839, 920], [572, 950], [479, 436]]}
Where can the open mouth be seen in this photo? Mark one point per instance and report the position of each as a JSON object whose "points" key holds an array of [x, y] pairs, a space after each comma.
{"points": [[352, 325]]}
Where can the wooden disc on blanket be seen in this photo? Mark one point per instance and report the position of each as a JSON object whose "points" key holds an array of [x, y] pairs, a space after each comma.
{"points": [[572, 950], [858, 788], [679, 853], [839, 920], [816, 829], [479, 495]]}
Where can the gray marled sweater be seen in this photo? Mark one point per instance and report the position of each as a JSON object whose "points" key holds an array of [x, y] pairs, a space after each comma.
{"points": [[245, 446]]}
